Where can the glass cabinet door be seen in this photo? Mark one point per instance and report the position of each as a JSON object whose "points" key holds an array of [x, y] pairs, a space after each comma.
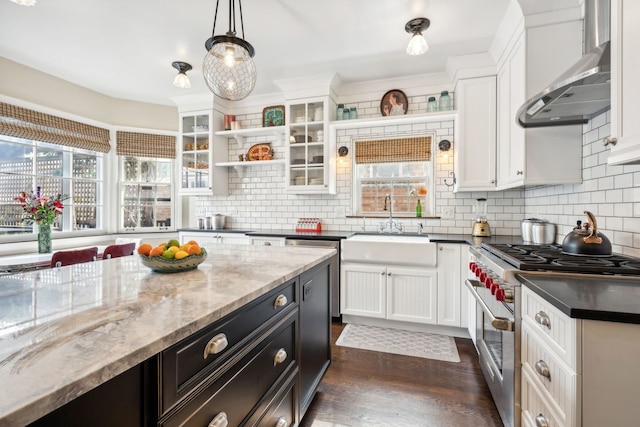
{"points": [[194, 149], [306, 168]]}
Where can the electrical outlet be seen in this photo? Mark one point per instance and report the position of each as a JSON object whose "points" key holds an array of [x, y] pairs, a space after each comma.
{"points": [[448, 212]]}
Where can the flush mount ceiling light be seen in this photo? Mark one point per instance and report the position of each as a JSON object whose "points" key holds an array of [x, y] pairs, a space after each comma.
{"points": [[181, 80], [417, 45], [228, 67], [25, 2]]}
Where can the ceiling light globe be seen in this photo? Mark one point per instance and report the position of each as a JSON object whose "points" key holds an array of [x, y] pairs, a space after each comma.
{"points": [[417, 45], [229, 70], [182, 81]]}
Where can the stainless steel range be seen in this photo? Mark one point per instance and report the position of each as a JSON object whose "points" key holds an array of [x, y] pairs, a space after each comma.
{"points": [[493, 284]]}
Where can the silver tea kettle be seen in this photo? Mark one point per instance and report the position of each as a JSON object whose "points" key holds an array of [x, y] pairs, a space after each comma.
{"points": [[585, 239]]}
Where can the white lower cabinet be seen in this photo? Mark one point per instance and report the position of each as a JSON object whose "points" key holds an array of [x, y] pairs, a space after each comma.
{"points": [[550, 355], [389, 292], [209, 238], [450, 301]]}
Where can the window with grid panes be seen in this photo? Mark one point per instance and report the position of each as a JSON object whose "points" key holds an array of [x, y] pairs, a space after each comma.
{"points": [[380, 171], [26, 164], [146, 193]]}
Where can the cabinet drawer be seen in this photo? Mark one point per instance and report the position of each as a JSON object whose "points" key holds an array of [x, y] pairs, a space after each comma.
{"points": [[237, 390], [556, 329], [534, 405], [279, 408], [550, 374], [184, 366]]}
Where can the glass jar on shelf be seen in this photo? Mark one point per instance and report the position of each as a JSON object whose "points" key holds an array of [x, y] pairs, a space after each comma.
{"points": [[432, 105], [444, 103]]}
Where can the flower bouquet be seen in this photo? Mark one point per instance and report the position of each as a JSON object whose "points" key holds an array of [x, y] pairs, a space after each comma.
{"points": [[42, 210]]}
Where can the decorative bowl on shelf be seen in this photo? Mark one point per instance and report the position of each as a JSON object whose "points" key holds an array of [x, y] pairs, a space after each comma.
{"points": [[161, 264]]}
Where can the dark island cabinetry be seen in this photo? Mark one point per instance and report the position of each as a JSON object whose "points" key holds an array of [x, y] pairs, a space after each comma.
{"points": [[258, 366]]}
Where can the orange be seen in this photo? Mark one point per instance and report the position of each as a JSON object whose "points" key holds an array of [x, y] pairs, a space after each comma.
{"points": [[157, 251], [144, 249], [184, 247], [181, 254], [194, 249], [192, 242]]}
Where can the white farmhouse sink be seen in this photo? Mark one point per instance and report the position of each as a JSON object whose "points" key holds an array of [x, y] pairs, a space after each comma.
{"points": [[389, 249]]}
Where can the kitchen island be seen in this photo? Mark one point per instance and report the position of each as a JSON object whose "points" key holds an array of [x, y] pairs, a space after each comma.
{"points": [[66, 331]]}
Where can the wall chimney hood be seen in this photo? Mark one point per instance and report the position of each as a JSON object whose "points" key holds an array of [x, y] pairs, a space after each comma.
{"points": [[584, 90]]}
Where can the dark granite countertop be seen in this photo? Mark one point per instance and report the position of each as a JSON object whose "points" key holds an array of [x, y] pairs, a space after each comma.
{"points": [[336, 235], [608, 298]]}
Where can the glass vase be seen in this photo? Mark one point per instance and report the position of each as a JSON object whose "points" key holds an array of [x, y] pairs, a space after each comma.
{"points": [[44, 238]]}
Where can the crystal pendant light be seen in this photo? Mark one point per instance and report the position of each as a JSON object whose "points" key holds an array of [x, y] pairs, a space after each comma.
{"points": [[417, 45], [228, 67]]}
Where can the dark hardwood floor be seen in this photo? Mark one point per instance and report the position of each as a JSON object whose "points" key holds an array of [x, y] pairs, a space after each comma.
{"points": [[367, 388]]}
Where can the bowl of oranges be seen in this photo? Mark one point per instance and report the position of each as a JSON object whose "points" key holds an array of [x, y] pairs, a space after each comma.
{"points": [[172, 257]]}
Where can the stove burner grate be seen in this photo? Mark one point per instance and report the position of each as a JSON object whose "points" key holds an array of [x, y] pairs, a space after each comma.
{"points": [[551, 258]]}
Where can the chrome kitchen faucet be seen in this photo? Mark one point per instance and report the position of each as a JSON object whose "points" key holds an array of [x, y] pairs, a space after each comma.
{"points": [[391, 224]]}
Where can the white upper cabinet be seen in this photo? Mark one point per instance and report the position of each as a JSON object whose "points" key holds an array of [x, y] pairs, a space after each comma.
{"points": [[475, 151], [625, 85], [310, 152], [196, 156], [510, 136], [535, 56]]}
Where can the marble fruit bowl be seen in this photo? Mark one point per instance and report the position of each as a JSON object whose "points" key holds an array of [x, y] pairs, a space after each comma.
{"points": [[161, 264]]}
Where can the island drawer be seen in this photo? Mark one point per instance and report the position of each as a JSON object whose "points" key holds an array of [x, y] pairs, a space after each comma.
{"points": [[279, 407], [236, 391], [188, 363]]}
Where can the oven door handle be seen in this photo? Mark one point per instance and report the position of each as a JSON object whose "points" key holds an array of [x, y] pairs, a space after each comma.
{"points": [[499, 323]]}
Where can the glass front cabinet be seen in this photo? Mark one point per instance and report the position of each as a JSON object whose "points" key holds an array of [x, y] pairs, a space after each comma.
{"points": [[197, 154], [310, 159]]}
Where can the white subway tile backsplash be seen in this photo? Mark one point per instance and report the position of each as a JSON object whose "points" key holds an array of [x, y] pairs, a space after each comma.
{"points": [[612, 193]]}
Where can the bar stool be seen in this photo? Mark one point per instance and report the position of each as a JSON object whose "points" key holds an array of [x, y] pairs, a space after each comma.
{"points": [[76, 256], [115, 251]]}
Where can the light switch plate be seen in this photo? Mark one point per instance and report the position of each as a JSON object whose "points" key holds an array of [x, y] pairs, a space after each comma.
{"points": [[448, 212]]}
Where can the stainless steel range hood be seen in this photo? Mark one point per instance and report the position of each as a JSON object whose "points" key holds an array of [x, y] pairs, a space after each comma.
{"points": [[584, 90]]}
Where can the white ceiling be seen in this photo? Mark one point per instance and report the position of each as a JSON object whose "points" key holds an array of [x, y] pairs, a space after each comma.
{"points": [[124, 48]]}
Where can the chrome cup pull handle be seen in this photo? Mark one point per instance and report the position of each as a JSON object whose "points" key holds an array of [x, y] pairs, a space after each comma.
{"points": [[541, 421], [543, 369], [543, 319], [219, 420], [282, 422], [280, 357], [281, 301], [216, 345]]}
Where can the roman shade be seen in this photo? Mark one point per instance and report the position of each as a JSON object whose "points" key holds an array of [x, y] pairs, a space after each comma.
{"points": [[24, 123], [139, 144], [394, 150]]}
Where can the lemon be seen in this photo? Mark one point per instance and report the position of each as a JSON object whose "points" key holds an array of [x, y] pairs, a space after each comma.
{"points": [[168, 254], [174, 249], [181, 254], [173, 242], [184, 246]]}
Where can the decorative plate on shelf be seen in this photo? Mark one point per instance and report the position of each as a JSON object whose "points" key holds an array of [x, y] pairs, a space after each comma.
{"points": [[260, 152], [273, 116]]}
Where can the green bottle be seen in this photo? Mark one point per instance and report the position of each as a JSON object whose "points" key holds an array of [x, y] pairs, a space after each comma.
{"points": [[418, 209]]}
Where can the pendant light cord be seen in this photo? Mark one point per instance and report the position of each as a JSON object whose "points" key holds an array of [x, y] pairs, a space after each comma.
{"points": [[215, 18]]}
